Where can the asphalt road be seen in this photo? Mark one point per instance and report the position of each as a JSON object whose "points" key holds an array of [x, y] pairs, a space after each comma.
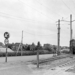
{"points": [[17, 66], [24, 58]]}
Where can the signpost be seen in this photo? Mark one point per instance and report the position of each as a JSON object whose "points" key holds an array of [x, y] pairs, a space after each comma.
{"points": [[6, 41], [37, 58], [38, 48]]}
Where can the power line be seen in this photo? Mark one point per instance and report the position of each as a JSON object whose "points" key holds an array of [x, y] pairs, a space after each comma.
{"points": [[17, 18], [67, 6], [47, 7], [13, 17], [66, 17], [38, 11], [73, 1], [7, 16], [35, 34]]}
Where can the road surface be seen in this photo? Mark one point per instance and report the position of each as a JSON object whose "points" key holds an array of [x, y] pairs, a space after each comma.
{"points": [[25, 58], [17, 65], [20, 66]]}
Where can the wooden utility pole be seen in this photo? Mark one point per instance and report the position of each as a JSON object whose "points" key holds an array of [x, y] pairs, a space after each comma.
{"points": [[71, 33], [38, 48], [71, 27], [22, 43], [58, 49]]}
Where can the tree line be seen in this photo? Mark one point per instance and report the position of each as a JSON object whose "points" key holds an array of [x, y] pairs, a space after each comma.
{"points": [[32, 47]]}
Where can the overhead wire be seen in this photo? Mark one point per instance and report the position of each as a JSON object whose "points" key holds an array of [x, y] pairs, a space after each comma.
{"points": [[20, 18], [73, 1], [17, 18], [37, 11], [34, 34], [67, 6], [42, 13], [47, 7], [53, 11], [24, 30], [65, 17], [12, 17]]}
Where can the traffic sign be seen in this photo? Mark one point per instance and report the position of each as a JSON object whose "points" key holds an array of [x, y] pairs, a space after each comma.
{"points": [[6, 35], [6, 41]]}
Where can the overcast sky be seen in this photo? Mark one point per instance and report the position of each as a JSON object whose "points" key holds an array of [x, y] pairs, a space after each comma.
{"points": [[37, 18]]}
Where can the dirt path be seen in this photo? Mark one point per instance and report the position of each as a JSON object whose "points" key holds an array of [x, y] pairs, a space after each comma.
{"points": [[65, 66]]}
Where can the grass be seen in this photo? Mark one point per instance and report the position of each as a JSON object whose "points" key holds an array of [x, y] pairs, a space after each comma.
{"points": [[24, 53], [42, 61]]}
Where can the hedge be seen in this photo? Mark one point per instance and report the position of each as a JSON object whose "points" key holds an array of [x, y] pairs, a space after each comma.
{"points": [[24, 53]]}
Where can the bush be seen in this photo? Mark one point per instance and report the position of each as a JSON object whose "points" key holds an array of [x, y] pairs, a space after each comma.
{"points": [[67, 52], [3, 54]]}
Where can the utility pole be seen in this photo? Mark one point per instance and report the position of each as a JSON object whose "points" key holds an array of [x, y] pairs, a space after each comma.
{"points": [[22, 43], [71, 27], [38, 48], [71, 32], [58, 49]]}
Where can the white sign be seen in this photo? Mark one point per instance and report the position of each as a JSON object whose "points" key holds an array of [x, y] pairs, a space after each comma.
{"points": [[6, 41]]}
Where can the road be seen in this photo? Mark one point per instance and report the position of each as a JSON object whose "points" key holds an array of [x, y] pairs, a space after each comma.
{"points": [[19, 66], [25, 58]]}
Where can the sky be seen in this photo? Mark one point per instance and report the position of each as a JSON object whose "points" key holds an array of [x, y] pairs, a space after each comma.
{"points": [[38, 20]]}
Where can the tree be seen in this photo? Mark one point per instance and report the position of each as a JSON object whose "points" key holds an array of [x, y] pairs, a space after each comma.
{"points": [[38, 46], [72, 46], [10, 46], [1, 44], [47, 47], [32, 46]]}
